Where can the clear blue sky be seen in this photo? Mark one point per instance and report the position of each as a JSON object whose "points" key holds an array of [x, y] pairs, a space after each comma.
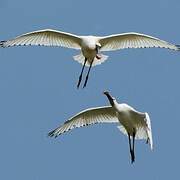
{"points": [[38, 92]]}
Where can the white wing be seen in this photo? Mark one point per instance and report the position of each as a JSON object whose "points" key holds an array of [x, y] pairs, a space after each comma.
{"points": [[45, 37], [87, 117], [149, 131], [133, 40]]}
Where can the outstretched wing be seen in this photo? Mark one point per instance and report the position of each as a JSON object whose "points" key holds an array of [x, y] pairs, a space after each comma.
{"points": [[133, 40], [47, 37], [87, 117]]}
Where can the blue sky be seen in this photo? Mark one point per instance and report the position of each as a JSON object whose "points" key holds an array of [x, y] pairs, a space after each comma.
{"points": [[38, 92]]}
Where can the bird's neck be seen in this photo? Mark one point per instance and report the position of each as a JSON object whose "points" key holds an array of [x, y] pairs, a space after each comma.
{"points": [[111, 100]]}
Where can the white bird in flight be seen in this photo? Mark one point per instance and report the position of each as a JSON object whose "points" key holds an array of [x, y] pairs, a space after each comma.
{"points": [[90, 46], [134, 124]]}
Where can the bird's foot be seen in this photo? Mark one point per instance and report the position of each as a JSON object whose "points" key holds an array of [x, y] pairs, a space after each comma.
{"points": [[98, 56], [132, 157]]}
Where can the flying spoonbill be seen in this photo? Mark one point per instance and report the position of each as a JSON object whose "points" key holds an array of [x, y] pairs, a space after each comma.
{"points": [[90, 46], [134, 124]]}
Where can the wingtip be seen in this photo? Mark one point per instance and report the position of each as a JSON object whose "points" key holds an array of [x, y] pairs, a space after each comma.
{"points": [[2, 43], [51, 134], [178, 47]]}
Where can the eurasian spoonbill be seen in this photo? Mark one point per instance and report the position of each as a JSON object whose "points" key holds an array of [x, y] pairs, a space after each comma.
{"points": [[90, 46], [135, 124]]}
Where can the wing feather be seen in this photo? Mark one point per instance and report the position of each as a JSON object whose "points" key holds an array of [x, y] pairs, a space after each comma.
{"points": [[47, 37], [149, 131], [133, 40], [87, 117]]}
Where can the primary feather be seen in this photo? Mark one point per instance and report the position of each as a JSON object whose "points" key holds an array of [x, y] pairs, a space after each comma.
{"points": [[87, 117], [133, 40], [47, 37]]}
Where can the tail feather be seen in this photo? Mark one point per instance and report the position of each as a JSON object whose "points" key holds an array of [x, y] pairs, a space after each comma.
{"points": [[80, 58]]}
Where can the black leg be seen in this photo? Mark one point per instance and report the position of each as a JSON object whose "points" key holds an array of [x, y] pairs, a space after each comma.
{"points": [[80, 77], [147, 140], [130, 149], [133, 154], [88, 74]]}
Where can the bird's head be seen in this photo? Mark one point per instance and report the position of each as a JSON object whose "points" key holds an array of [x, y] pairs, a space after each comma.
{"points": [[106, 93], [98, 46], [110, 98]]}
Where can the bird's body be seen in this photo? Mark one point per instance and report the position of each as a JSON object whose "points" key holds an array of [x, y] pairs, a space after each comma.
{"points": [[134, 124], [126, 117], [90, 46], [131, 120]]}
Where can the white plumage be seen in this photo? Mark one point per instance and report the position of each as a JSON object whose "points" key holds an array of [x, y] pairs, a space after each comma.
{"points": [[90, 46], [134, 124]]}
